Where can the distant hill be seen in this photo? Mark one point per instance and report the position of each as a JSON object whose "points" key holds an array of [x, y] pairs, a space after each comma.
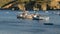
{"points": [[2, 2]]}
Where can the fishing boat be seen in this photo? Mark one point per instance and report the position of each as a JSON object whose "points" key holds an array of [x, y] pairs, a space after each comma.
{"points": [[32, 16]]}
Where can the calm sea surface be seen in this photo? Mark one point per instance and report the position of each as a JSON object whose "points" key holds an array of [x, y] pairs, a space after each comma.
{"points": [[9, 24]]}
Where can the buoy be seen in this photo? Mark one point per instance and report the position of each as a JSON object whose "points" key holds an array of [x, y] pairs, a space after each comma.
{"points": [[48, 23]]}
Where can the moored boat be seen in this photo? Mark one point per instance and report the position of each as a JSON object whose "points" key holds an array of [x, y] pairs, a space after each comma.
{"points": [[33, 16], [41, 18]]}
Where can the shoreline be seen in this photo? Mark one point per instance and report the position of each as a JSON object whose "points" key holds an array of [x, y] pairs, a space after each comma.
{"points": [[29, 10]]}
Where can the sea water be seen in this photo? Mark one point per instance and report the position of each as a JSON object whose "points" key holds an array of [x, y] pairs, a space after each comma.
{"points": [[9, 24]]}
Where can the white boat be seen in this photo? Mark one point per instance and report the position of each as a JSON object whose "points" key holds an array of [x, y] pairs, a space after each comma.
{"points": [[41, 18]]}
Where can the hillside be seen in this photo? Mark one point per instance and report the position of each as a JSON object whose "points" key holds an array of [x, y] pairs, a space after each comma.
{"points": [[2, 2]]}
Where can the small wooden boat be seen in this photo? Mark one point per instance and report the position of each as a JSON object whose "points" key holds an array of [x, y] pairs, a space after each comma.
{"points": [[24, 16], [32, 16]]}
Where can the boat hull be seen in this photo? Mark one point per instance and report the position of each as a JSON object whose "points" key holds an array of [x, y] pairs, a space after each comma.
{"points": [[34, 18]]}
